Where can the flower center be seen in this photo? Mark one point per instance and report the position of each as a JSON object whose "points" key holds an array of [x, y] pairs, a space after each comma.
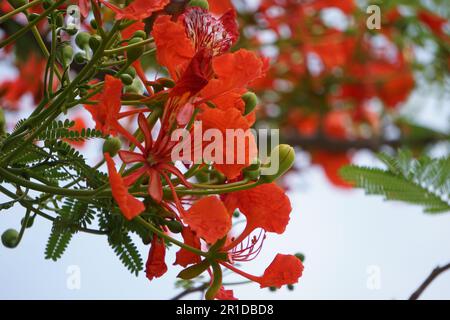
{"points": [[205, 31]]}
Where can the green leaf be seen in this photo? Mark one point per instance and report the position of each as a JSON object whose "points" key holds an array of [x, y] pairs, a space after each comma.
{"points": [[424, 181]]}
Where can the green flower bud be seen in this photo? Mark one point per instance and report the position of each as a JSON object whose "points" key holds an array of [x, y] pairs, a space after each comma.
{"points": [[80, 58], [59, 20], [300, 256], [199, 3], [134, 53], [65, 54], [126, 79], [29, 222], [71, 31], [140, 34], [93, 24], [130, 71], [273, 289], [290, 287], [10, 238], [17, 3], [174, 226], [194, 271], [251, 100], [112, 146], [94, 42], [82, 39], [236, 214], [282, 155], [135, 87]]}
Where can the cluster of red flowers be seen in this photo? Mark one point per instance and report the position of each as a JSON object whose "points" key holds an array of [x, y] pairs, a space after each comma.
{"points": [[336, 77], [194, 47]]}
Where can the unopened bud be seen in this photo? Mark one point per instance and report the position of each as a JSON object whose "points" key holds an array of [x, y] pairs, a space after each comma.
{"points": [[251, 100], [94, 42], [82, 39], [65, 55], [112, 146], [10, 238], [282, 155], [134, 53], [140, 34], [199, 3], [126, 79]]}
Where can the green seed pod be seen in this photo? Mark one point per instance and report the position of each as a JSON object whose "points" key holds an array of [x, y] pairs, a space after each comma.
{"points": [[112, 146], [82, 39], [174, 226], [10, 238], [17, 3], [199, 3], [80, 58], [251, 100], [94, 42], [126, 79], [134, 53], [283, 158], [140, 34]]}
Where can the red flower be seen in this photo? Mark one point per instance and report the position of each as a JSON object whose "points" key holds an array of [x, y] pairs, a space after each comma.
{"points": [[332, 162], [225, 294], [106, 112], [29, 80], [265, 206], [194, 31], [155, 158], [183, 256], [138, 9], [284, 269], [156, 265], [209, 219], [129, 205]]}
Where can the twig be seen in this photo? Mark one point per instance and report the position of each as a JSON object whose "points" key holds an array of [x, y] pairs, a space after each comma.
{"points": [[433, 275], [189, 291]]}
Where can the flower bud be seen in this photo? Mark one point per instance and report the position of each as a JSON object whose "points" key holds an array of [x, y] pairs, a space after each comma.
{"points": [[29, 222], [251, 100], [194, 270], [10, 238], [134, 53], [47, 4], [71, 31], [112, 146], [82, 39], [290, 287], [199, 3], [130, 71], [140, 34], [93, 24], [80, 58], [94, 42], [126, 79], [300, 256], [282, 158], [65, 54]]}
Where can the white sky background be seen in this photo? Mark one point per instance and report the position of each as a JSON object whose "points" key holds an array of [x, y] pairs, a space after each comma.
{"points": [[347, 238]]}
